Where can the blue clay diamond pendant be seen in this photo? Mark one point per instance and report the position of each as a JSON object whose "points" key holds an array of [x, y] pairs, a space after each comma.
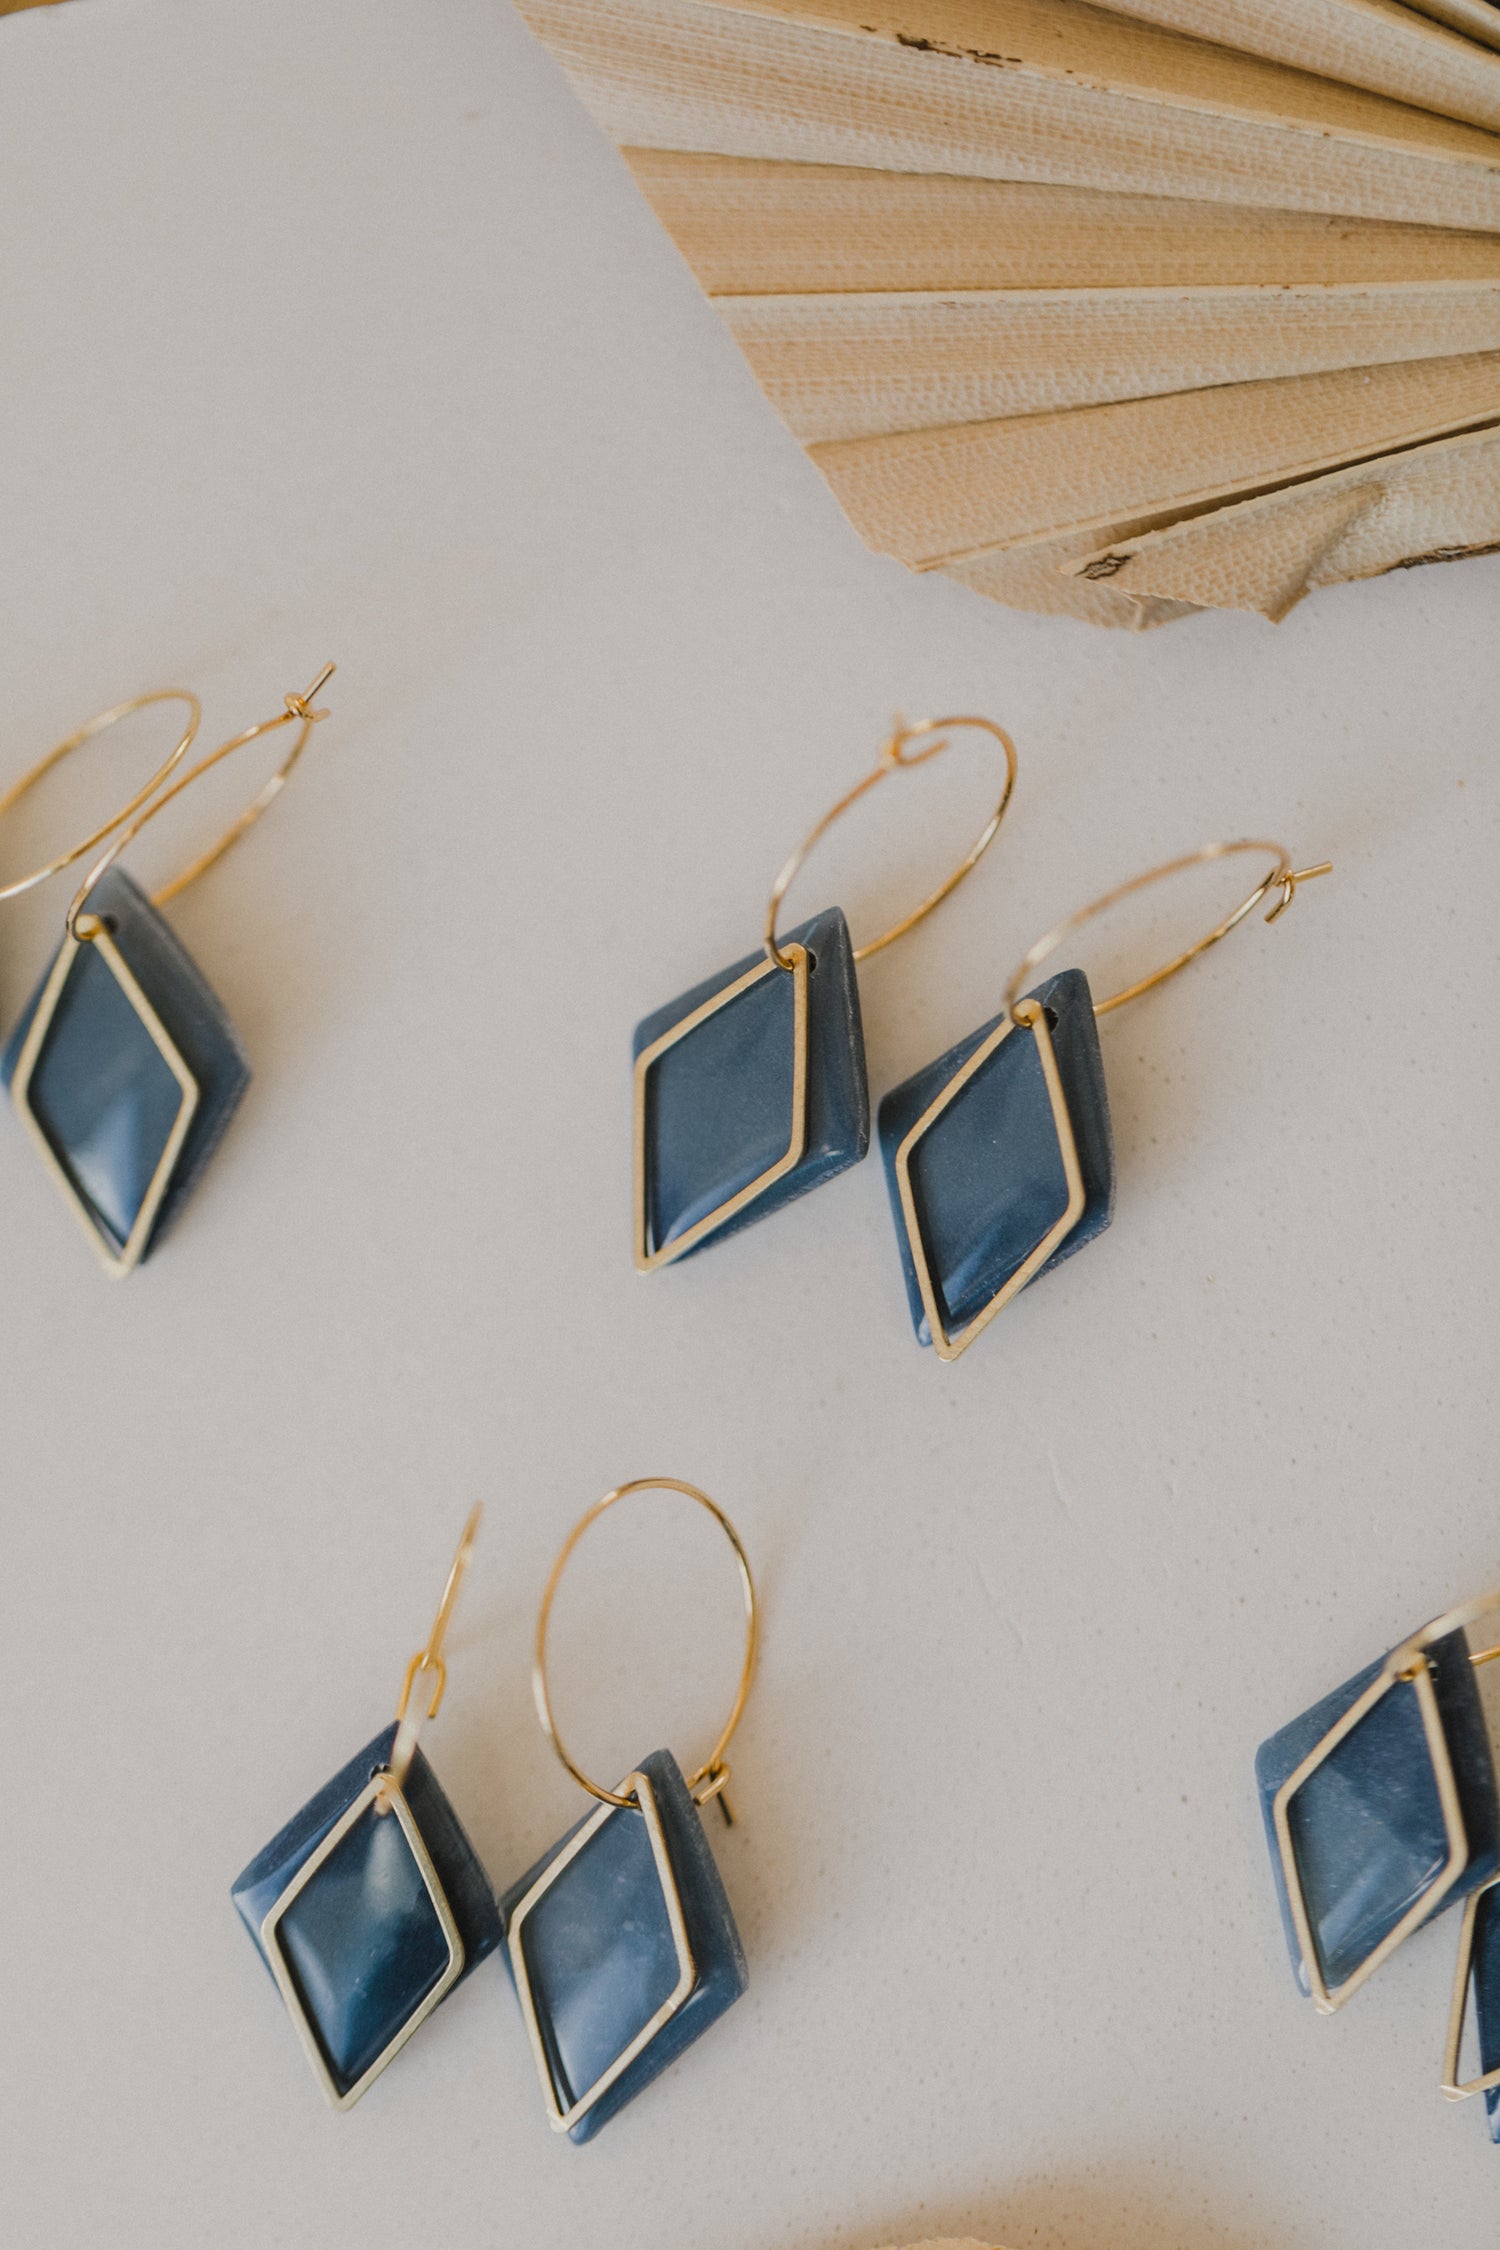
{"points": [[999, 1161], [1381, 1810], [749, 1091], [622, 1947], [367, 1918], [125, 1071]]}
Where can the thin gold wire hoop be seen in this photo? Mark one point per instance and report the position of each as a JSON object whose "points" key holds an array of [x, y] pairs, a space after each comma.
{"points": [[429, 1658], [713, 1773], [299, 711], [895, 758], [61, 750], [1283, 877]]}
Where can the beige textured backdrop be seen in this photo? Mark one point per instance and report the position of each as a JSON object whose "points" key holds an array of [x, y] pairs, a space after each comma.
{"points": [[335, 329]]}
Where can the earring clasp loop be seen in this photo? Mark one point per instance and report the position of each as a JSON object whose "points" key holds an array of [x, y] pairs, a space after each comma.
{"points": [[1283, 877], [428, 1659], [61, 750], [895, 757], [707, 1780]]}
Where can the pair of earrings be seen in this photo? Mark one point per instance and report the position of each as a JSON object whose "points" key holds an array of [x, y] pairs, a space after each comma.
{"points": [[751, 1089], [371, 1904], [1382, 1810], [124, 1068]]}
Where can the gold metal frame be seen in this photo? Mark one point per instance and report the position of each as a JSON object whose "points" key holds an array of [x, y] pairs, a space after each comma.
{"points": [[1455, 2089], [1034, 1018], [707, 1780], [116, 1263], [634, 1790], [895, 759], [1408, 1665], [1326, 1999], [647, 1258], [377, 1796]]}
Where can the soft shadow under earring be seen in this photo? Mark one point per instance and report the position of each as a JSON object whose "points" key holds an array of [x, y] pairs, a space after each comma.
{"points": [[621, 1941], [371, 1905], [999, 1156], [125, 1068], [751, 1088]]}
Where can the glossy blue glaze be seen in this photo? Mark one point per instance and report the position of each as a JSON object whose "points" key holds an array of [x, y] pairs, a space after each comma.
{"points": [[365, 1913], [101, 1091], [719, 1104], [363, 1940], [1485, 1973], [987, 1178], [1367, 1828], [599, 1953]]}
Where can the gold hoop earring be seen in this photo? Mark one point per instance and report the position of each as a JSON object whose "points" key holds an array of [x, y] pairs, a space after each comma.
{"points": [[750, 1089], [371, 1904], [621, 1941], [1382, 1810], [125, 1069], [999, 1157], [85, 734]]}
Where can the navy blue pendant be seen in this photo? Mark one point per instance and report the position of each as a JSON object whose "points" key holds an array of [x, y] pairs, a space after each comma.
{"points": [[999, 1161], [749, 1091], [1365, 1836], [367, 1919], [126, 1071], [622, 1947]]}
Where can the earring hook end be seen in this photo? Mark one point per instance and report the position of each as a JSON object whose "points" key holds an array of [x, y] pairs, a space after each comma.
{"points": [[300, 706], [1289, 882]]}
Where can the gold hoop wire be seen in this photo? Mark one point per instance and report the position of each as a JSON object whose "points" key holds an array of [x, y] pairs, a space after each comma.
{"points": [[894, 758], [1282, 877], [713, 1772], [61, 750], [298, 709], [429, 1658]]}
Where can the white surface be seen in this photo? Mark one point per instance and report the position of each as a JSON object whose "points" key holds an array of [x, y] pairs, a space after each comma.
{"points": [[335, 329]]}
